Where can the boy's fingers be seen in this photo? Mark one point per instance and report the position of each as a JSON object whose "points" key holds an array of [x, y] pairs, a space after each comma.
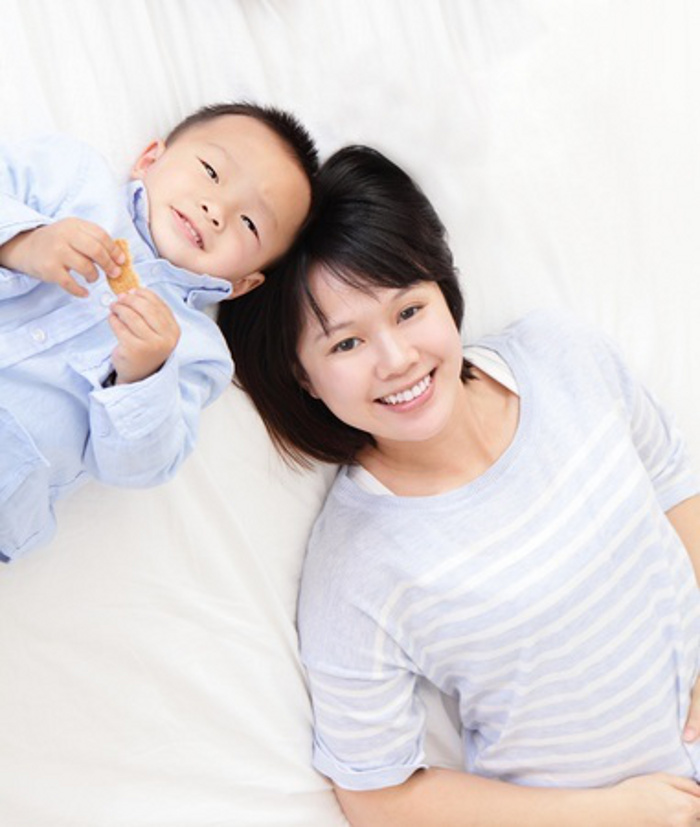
{"points": [[83, 265], [153, 310], [133, 321], [98, 247], [70, 285]]}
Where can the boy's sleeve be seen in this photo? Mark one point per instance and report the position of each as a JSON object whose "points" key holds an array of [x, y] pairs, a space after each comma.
{"points": [[140, 433], [36, 176]]}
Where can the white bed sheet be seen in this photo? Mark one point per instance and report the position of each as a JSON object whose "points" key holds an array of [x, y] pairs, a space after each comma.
{"points": [[148, 665]]}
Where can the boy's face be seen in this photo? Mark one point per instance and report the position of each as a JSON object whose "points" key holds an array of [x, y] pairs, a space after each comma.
{"points": [[226, 198]]}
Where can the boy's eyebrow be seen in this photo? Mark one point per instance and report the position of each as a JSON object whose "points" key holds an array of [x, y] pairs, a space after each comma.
{"points": [[264, 206], [328, 330]]}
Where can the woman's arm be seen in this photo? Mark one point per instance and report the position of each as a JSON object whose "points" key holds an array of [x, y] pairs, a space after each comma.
{"points": [[455, 799], [685, 518]]}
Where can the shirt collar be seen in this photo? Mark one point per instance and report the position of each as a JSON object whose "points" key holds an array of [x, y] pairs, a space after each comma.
{"points": [[137, 202]]}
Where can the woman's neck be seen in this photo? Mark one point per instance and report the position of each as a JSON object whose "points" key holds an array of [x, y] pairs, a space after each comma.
{"points": [[482, 426]]}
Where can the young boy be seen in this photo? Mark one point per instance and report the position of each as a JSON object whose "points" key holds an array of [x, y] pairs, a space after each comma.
{"points": [[92, 383]]}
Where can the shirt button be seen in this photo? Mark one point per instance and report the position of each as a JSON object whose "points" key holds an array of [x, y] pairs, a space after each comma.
{"points": [[106, 299], [38, 335]]}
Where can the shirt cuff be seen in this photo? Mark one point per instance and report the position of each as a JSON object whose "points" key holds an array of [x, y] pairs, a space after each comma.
{"points": [[375, 778], [136, 409]]}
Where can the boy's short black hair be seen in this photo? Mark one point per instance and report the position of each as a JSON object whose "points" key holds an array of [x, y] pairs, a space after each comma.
{"points": [[285, 125], [372, 227]]}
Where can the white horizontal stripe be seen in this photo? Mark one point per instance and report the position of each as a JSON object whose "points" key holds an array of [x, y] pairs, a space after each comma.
{"points": [[544, 535], [522, 720], [375, 714], [504, 597], [601, 776], [578, 460], [592, 733], [580, 609], [587, 689], [358, 733], [387, 751], [323, 685], [570, 645], [594, 756], [599, 657]]}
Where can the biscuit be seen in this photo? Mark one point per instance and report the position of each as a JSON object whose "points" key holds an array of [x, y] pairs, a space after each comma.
{"points": [[128, 278]]}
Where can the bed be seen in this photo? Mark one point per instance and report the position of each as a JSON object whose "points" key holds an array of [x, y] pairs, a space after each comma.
{"points": [[149, 674]]}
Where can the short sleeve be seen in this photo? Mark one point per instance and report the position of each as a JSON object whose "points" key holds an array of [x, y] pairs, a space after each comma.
{"points": [[369, 721], [656, 437], [368, 729], [653, 431]]}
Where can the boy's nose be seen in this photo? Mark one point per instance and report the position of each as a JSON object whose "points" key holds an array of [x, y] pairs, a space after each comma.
{"points": [[212, 213]]}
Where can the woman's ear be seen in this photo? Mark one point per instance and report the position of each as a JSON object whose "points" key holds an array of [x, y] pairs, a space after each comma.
{"points": [[304, 382], [147, 158]]}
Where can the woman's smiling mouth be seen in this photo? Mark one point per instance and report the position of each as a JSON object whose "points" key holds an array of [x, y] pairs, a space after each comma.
{"points": [[409, 394]]}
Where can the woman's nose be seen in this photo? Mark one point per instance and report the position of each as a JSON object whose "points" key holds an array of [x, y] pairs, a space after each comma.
{"points": [[396, 355]]}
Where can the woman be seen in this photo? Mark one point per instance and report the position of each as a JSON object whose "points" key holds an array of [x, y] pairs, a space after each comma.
{"points": [[519, 527]]}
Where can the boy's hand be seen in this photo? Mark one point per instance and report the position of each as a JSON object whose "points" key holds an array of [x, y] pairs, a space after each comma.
{"points": [[147, 333], [49, 253]]}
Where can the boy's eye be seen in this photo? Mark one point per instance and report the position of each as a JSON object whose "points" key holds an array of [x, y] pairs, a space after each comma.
{"points": [[408, 312], [209, 169], [346, 345], [249, 224]]}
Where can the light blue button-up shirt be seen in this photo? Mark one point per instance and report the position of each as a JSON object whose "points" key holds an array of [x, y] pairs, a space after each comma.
{"points": [[57, 423]]}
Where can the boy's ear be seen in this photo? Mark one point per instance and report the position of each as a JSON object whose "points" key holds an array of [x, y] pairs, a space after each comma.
{"points": [[246, 284], [147, 158]]}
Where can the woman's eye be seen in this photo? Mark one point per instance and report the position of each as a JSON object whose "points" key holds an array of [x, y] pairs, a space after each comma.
{"points": [[249, 224], [210, 171], [346, 345], [409, 312]]}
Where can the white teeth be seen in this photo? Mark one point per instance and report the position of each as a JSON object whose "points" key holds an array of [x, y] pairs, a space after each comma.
{"points": [[406, 396], [195, 235]]}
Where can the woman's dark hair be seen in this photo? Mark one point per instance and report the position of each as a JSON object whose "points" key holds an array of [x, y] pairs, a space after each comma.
{"points": [[285, 125], [371, 226]]}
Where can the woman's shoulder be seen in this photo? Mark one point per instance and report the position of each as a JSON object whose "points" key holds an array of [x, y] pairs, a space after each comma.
{"points": [[553, 334], [349, 514], [353, 523], [540, 326]]}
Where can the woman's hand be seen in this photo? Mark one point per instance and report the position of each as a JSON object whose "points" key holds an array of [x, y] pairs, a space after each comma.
{"points": [[691, 731], [658, 800], [51, 252], [147, 333]]}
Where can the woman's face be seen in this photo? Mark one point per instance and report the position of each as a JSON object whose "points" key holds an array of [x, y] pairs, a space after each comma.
{"points": [[389, 360]]}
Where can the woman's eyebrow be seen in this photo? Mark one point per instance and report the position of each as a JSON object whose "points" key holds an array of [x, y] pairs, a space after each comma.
{"points": [[328, 330]]}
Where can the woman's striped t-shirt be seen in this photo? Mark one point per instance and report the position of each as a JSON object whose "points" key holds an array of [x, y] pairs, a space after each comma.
{"points": [[551, 596]]}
